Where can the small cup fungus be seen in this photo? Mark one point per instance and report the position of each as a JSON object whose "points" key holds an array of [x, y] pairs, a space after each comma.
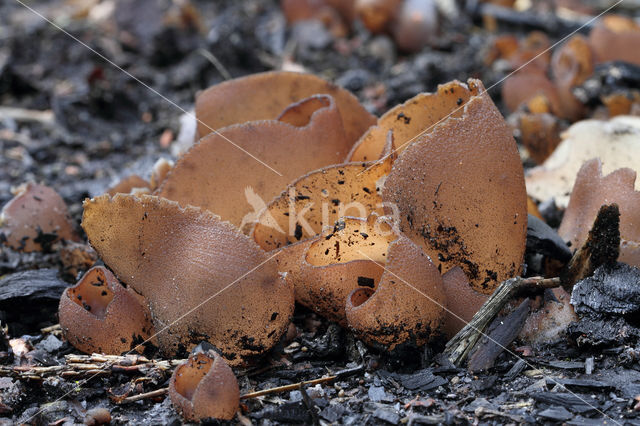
{"points": [[459, 191], [204, 387], [35, 218], [406, 303], [202, 278], [264, 96], [307, 135], [615, 37], [99, 315], [590, 192]]}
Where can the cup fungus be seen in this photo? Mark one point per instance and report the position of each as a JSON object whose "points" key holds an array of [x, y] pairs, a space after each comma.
{"points": [[204, 387], [590, 192], [307, 135], [263, 96], [615, 142], [416, 24], [417, 115], [615, 37], [406, 305], [319, 199], [459, 191], [35, 218], [462, 301], [533, 89], [571, 65], [332, 265], [128, 185], [377, 15], [202, 278], [99, 315]]}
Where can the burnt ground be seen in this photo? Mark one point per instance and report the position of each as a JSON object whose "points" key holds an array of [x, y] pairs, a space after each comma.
{"points": [[104, 126]]}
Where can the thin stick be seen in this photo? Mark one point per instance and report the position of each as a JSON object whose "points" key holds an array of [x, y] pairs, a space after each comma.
{"points": [[290, 387], [461, 344], [146, 395]]}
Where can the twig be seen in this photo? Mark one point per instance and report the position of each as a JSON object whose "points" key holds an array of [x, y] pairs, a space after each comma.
{"points": [[21, 114], [461, 344], [295, 386], [78, 366], [146, 395], [216, 63], [51, 329]]}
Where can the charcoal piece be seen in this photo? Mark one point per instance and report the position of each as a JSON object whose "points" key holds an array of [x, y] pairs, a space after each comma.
{"points": [[603, 332], [480, 403], [422, 380], [602, 247], [293, 412], [609, 291], [575, 384], [484, 383], [377, 394], [562, 365], [608, 78], [558, 414], [386, 416], [501, 333], [572, 402], [542, 239], [515, 370], [333, 413], [38, 289]]}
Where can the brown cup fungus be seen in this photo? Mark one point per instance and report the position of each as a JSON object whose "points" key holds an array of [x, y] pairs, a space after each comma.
{"points": [[615, 38], [318, 200], [128, 185], [590, 192], [415, 24], [391, 290], [35, 218], [99, 315], [462, 301], [459, 192], [202, 278], [204, 387], [405, 303], [219, 176], [264, 96], [571, 65], [377, 15]]}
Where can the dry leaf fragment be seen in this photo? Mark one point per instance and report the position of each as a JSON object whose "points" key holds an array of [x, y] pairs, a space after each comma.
{"points": [[460, 194], [99, 315], [35, 218], [219, 177], [202, 278], [263, 96], [616, 142], [205, 387]]}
